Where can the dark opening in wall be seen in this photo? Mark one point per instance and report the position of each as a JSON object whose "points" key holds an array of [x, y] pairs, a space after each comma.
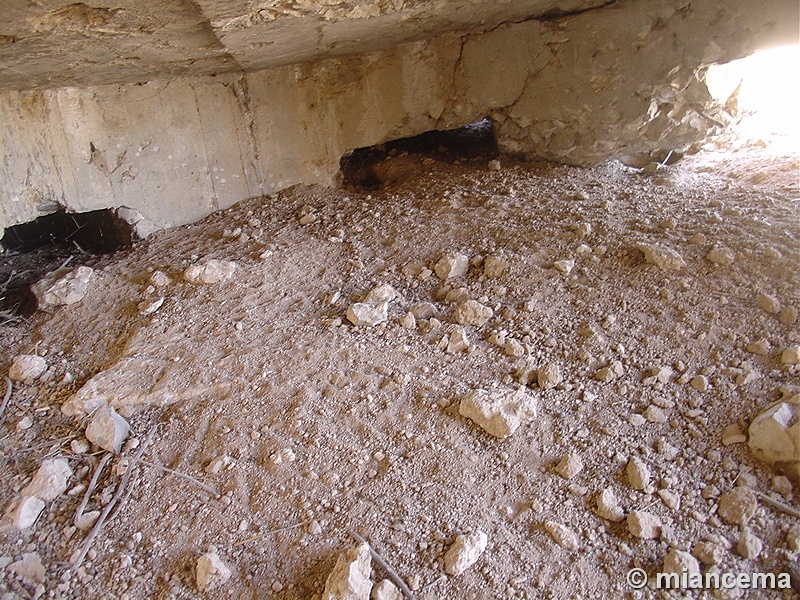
{"points": [[31, 250], [362, 167]]}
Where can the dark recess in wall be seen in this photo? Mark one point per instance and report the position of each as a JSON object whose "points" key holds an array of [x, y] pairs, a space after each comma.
{"points": [[360, 169]]}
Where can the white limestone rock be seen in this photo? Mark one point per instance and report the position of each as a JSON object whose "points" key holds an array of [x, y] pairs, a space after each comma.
{"points": [[472, 312], [564, 266], [721, 256], [364, 314], [210, 271], [708, 552], [678, 561], [791, 356], [774, 435], [608, 506], [386, 590], [738, 506], [22, 514], [563, 535], [570, 465], [638, 473], [26, 368], [107, 429], [465, 552], [50, 481], [499, 412], [211, 572], [613, 371], [349, 579], [662, 256], [549, 376], [68, 288], [381, 294], [458, 341], [495, 266], [452, 265], [749, 545], [644, 525], [29, 568]]}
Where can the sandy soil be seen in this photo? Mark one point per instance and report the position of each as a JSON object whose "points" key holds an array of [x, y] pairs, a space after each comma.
{"points": [[307, 426]]}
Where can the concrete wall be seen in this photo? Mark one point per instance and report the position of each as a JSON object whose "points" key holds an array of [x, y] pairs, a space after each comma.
{"points": [[581, 89]]}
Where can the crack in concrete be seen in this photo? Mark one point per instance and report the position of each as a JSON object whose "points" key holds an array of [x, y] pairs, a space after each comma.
{"points": [[210, 28]]}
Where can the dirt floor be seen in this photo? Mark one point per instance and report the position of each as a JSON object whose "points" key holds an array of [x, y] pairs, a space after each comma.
{"points": [[284, 426]]}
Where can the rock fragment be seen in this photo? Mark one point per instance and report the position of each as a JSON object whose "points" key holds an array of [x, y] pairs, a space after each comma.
{"points": [[563, 535], [452, 265], [793, 538], [473, 312], [791, 356], [495, 266], [749, 545], [380, 294], [678, 561], [349, 579], [738, 506], [608, 506], [362, 314], [733, 435], [423, 310], [769, 304], [210, 271], [700, 383], [499, 412], [708, 553], [774, 435], [788, 316], [721, 256], [458, 341], [644, 525], [49, 482], [211, 572], [386, 590], [662, 257], [570, 465], [160, 279], [26, 368], [69, 288], [107, 429], [564, 266], [607, 374], [549, 376], [465, 552], [638, 474], [514, 348], [29, 568]]}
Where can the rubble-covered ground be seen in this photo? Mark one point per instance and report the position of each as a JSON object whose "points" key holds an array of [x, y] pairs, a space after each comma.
{"points": [[618, 322]]}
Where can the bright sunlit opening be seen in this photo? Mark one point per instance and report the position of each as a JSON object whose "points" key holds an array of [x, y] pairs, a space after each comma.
{"points": [[767, 103]]}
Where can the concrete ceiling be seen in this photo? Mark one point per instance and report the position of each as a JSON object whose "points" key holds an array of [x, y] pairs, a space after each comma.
{"points": [[55, 43]]}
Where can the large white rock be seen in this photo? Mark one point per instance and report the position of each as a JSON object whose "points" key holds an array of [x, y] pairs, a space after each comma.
{"points": [[774, 435], [452, 265], [472, 312], [499, 412], [349, 579], [465, 552], [68, 288], [50, 481], [366, 314], [27, 367], [211, 572], [210, 271], [107, 429]]}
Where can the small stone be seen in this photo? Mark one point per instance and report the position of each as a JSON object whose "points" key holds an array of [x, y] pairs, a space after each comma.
{"points": [[68, 289], [733, 435], [782, 485], [29, 568], [423, 310], [465, 552], [314, 528], [611, 372], [738, 506], [210, 271], [570, 465], [87, 520], [24, 423], [670, 499], [50, 480], [564, 266], [514, 348], [768, 304], [386, 590], [160, 279], [499, 412], [107, 429], [363, 314], [638, 474], [749, 545], [678, 561], [584, 229], [700, 383], [458, 341], [474, 313], [788, 316], [79, 446], [381, 294], [662, 257], [760, 347], [452, 265], [26, 368], [644, 525], [549, 376], [408, 321], [708, 553], [563, 535], [494, 164], [721, 256], [495, 266], [655, 415], [775, 433], [793, 538], [791, 356], [608, 506], [22, 514], [349, 579], [211, 572], [148, 307]]}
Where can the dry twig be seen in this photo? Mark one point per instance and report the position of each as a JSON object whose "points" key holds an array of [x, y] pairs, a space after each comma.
{"points": [[207, 488], [6, 398], [779, 505], [263, 535], [92, 485], [385, 566]]}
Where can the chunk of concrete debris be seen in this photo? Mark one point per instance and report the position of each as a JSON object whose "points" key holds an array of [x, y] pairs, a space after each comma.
{"points": [[608, 506], [499, 412], [774, 435], [678, 561], [458, 342], [472, 312], [465, 552], [721, 256], [549, 376], [570, 465], [769, 304], [708, 553], [611, 372], [495, 266], [738, 506], [564, 266], [210, 271], [733, 435], [386, 590], [563, 535], [349, 579], [107, 429], [69, 288], [791, 356], [29, 568], [211, 572], [749, 545], [452, 265], [662, 257], [363, 314], [26, 368], [638, 474], [644, 525]]}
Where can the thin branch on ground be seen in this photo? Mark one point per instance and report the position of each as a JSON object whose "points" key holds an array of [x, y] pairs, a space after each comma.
{"points": [[6, 398], [92, 485], [98, 525], [279, 530], [779, 505], [396, 579], [207, 488]]}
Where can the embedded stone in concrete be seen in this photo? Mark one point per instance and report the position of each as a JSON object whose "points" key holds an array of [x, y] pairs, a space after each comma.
{"points": [[465, 552], [349, 579], [499, 412]]}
